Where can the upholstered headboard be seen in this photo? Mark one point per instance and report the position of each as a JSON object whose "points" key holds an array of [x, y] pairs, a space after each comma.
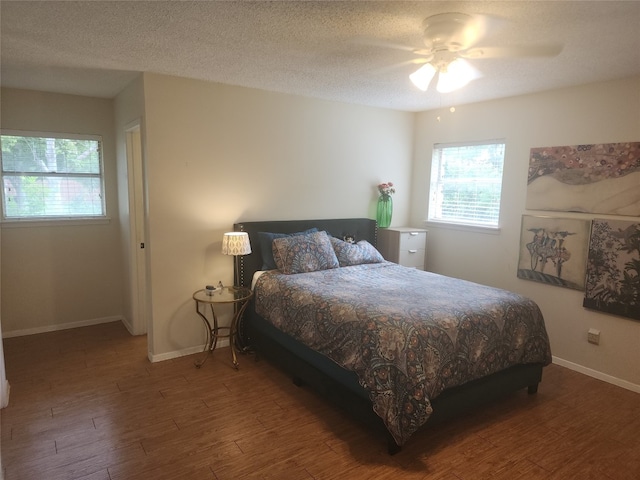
{"points": [[357, 228]]}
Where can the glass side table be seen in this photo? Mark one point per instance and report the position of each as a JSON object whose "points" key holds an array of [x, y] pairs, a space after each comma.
{"points": [[239, 297]]}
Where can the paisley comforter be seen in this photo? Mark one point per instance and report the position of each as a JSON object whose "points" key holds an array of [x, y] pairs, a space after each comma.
{"points": [[407, 334]]}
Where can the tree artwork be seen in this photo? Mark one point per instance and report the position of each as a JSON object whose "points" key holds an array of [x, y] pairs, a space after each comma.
{"points": [[613, 268], [554, 251]]}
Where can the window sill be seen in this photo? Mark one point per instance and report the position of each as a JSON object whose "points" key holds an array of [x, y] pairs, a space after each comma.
{"points": [[464, 227], [59, 222]]}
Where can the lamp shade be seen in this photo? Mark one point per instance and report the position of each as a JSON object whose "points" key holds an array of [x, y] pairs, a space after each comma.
{"points": [[422, 77], [236, 243], [452, 74], [455, 75]]}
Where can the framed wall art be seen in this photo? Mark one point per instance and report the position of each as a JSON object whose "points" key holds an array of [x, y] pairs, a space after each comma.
{"points": [[600, 178], [613, 268], [554, 250]]}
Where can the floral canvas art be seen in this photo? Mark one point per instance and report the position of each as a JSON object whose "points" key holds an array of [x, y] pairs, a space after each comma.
{"points": [[613, 269], [554, 251], [600, 178]]}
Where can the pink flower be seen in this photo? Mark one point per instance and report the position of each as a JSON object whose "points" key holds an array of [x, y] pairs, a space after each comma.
{"points": [[386, 188]]}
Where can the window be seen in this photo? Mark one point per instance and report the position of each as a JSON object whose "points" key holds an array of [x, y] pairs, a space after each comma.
{"points": [[48, 176], [466, 183]]}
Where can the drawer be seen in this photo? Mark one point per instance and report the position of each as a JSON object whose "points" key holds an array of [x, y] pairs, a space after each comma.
{"points": [[412, 257], [404, 245], [413, 240]]}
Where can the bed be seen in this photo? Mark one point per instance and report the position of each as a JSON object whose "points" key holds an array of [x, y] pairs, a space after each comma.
{"points": [[395, 347]]}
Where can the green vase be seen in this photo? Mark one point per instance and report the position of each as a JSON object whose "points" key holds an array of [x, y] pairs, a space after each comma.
{"points": [[384, 211]]}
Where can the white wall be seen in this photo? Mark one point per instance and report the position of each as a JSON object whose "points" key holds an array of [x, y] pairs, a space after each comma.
{"points": [[61, 276], [599, 113], [218, 154]]}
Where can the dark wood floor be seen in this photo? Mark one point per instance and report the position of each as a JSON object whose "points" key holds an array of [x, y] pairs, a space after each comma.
{"points": [[87, 404]]}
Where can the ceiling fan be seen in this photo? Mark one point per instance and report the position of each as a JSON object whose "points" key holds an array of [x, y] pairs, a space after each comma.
{"points": [[450, 39]]}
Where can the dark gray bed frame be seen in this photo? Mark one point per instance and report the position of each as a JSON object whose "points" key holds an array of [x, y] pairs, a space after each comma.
{"points": [[338, 385]]}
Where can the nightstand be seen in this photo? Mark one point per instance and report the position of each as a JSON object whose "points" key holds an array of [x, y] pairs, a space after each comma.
{"points": [[403, 245], [239, 297]]}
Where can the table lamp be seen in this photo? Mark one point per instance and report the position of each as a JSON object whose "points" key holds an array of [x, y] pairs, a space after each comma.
{"points": [[236, 243]]}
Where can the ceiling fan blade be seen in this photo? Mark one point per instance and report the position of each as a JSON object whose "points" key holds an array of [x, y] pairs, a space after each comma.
{"points": [[416, 62], [377, 42], [512, 52]]}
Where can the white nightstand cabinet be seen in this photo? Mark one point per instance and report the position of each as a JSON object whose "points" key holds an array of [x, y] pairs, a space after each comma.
{"points": [[403, 245]]}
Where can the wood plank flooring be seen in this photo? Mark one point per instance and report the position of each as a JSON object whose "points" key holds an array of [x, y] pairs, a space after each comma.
{"points": [[87, 404]]}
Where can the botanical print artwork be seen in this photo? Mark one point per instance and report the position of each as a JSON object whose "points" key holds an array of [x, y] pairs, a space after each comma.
{"points": [[554, 251], [613, 268], [600, 178]]}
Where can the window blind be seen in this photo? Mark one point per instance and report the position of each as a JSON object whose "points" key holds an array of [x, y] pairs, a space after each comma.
{"points": [[48, 176], [466, 183]]}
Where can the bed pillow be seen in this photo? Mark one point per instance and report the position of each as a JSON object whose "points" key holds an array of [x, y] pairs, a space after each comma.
{"points": [[355, 253], [304, 253], [265, 240]]}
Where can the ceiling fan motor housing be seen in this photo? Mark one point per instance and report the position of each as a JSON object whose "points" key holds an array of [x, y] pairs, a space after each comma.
{"points": [[449, 31]]}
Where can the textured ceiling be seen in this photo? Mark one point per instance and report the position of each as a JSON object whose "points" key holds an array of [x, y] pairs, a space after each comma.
{"points": [[324, 49]]}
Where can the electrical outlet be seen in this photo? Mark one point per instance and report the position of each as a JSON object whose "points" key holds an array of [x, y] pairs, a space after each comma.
{"points": [[593, 336]]}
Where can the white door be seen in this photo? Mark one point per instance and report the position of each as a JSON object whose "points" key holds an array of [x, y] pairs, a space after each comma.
{"points": [[137, 243]]}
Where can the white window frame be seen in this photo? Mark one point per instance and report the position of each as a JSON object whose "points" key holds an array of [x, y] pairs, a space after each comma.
{"points": [[437, 215], [57, 219]]}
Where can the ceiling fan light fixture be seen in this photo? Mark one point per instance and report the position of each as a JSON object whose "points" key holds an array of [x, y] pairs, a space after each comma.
{"points": [[454, 76], [422, 77]]}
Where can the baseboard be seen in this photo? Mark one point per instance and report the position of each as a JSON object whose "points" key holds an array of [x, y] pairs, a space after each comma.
{"points": [[6, 390], [596, 374], [132, 330], [224, 342], [61, 326], [127, 325]]}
